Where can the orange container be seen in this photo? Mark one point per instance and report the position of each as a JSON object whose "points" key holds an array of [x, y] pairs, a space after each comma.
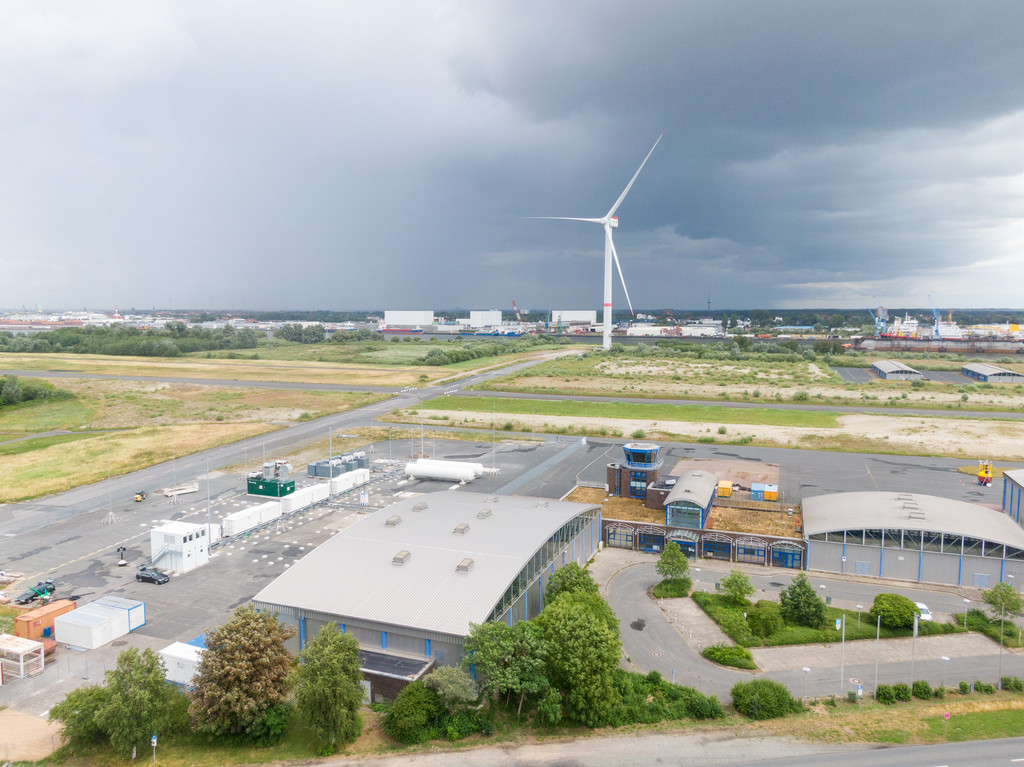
{"points": [[33, 624]]}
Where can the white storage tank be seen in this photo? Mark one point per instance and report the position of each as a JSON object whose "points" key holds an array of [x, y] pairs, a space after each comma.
{"points": [[478, 468], [450, 471]]}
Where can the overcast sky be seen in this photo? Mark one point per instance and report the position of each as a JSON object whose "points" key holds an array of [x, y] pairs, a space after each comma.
{"points": [[347, 155]]}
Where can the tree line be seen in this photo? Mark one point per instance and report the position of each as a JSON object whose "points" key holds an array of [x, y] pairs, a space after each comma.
{"points": [[175, 339], [14, 390]]}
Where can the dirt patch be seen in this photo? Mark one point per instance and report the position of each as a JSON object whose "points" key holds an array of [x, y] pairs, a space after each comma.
{"points": [[739, 472], [630, 509], [752, 521], [27, 738]]}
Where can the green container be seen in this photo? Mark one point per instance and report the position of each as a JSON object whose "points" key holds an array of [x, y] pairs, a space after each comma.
{"points": [[271, 488]]}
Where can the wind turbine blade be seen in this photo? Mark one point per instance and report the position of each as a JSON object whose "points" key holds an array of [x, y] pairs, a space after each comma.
{"points": [[563, 218], [625, 191], [622, 279]]}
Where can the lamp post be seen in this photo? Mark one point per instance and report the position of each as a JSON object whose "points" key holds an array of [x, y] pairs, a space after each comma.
{"points": [[807, 672], [966, 603], [945, 663], [859, 608], [878, 635]]}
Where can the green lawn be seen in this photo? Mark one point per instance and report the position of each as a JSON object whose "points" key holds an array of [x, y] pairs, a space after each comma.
{"points": [[729, 617], [978, 725], [45, 415], [38, 443], [756, 416]]}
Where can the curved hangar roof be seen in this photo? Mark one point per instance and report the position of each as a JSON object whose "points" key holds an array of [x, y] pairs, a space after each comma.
{"points": [[434, 562], [908, 511], [696, 487]]}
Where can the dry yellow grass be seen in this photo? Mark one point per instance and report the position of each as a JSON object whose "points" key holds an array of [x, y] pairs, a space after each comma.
{"points": [[756, 522], [60, 467], [288, 371], [629, 509]]}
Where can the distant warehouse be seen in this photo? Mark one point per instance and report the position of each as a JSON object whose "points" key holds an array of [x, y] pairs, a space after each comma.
{"points": [[891, 370], [409, 580], [982, 371]]}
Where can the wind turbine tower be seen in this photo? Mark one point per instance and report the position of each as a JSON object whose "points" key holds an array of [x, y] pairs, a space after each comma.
{"points": [[609, 221]]}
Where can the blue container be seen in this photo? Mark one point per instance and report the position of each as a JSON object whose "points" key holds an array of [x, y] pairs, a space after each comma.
{"points": [[757, 491]]}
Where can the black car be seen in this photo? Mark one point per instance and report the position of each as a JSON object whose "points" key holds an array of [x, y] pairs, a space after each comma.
{"points": [[151, 575], [41, 590]]}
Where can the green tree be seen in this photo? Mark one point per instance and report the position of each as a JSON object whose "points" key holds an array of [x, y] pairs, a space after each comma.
{"points": [[584, 651], [77, 716], [138, 701], [895, 610], [800, 605], [672, 563], [11, 392], [508, 659], [243, 672], [737, 587], [570, 577], [1003, 600], [454, 687], [328, 689]]}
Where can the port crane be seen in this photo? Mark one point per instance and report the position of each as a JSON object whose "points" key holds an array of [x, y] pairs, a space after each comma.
{"points": [[519, 314], [880, 315]]}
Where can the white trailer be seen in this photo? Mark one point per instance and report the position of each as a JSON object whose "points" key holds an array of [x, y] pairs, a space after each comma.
{"points": [[191, 487]]}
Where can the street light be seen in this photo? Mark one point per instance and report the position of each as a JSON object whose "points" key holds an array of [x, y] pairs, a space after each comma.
{"points": [[945, 662], [807, 671]]}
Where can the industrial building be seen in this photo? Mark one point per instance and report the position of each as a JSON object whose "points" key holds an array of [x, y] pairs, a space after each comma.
{"points": [[689, 503], [982, 371], [409, 319], [891, 370], [912, 537], [571, 317], [1013, 489], [438, 564]]}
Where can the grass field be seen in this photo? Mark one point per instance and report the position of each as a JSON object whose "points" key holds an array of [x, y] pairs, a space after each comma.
{"points": [[632, 410]]}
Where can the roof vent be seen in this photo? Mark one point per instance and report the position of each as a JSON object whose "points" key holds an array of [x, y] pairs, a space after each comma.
{"points": [[400, 558], [492, 499], [542, 504], [419, 506], [461, 529], [464, 565], [484, 513], [392, 521]]}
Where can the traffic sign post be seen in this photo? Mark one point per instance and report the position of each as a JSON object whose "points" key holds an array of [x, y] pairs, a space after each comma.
{"points": [[152, 742], [945, 725]]}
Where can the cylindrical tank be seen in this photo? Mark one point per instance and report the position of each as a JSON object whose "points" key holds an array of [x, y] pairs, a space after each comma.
{"points": [[478, 468], [452, 471]]}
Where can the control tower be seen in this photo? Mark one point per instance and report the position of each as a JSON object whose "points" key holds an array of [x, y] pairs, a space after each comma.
{"points": [[641, 467]]}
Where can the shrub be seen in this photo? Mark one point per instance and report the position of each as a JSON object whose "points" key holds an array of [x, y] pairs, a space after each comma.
{"points": [[269, 730], [672, 588], [730, 655], [763, 699], [895, 610], [765, 619], [851, 696], [922, 690], [413, 715], [885, 694], [965, 688], [639, 434], [1018, 684], [1005, 682], [984, 687], [940, 691], [902, 691]]}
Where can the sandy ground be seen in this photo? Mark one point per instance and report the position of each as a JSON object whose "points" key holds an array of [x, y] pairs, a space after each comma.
{"points": [[973, 439], [24, 737]]}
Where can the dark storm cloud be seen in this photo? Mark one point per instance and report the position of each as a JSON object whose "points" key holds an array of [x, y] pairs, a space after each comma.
{"points": [[384, 155]]}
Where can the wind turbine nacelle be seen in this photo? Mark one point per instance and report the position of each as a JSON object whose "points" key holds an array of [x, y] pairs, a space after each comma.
{"points": [[613, 222]]}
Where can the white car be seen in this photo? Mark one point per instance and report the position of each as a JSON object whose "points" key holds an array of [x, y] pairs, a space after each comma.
{"points": [[926, 614]]}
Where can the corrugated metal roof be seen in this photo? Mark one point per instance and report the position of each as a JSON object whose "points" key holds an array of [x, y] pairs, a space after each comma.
{"points": [[983, 368], [695, 487], [1017, 475], [892, 366], [352, 574], [908, 511]]}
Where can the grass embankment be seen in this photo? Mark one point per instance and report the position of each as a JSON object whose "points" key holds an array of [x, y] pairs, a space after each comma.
{"points": [[635, 411]]}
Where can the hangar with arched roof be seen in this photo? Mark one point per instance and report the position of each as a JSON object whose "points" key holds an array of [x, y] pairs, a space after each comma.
{"points": [[912, 537]]}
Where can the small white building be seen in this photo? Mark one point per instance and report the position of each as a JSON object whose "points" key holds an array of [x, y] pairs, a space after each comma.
{"points": [[99, 622], [179, 546], [182, 662], [409, 319], [570, 317]]}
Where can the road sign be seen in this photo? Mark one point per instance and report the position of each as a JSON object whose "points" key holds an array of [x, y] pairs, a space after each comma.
{"points": [[947, 716], [839, 623], [152, 741], [860, 691]]}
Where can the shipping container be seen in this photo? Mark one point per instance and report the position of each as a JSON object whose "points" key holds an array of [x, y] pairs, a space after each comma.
{"points": [[136, 610], [757, 491], [724, 488], [39, 622], [771, 492]]}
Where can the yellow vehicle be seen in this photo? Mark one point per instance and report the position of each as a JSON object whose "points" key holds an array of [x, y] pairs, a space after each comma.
{"points": [[985, 473], [141, 496]]}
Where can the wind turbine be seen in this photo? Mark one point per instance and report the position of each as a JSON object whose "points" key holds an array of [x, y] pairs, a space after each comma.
{"points": [[609, 221]]}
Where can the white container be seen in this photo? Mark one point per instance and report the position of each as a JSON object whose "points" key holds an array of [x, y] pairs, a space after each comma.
{"points": [[91, 626], [136, 610], [182, 662], [320, 493]]}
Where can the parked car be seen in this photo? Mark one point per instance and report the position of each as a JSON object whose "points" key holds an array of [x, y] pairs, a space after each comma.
{"points": [[926, 614], [151, 575], [41, 590]]}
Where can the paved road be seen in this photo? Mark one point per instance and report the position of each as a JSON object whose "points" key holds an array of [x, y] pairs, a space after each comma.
{"points": [[710, 748]]}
